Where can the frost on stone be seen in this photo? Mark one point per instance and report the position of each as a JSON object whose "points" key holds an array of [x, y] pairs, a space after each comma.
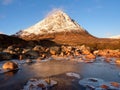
{"points": [[93, 82], [71, 74], [39, 84], [99, 84]]}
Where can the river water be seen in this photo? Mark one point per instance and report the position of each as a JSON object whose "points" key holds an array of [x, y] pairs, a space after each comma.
{"points": [[56, 70]]}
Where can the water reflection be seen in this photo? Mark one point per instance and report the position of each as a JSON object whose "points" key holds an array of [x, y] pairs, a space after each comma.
{"points": [[50, 68], [10, 73]]}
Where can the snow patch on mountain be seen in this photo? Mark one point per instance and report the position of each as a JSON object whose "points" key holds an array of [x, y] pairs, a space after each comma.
{"points": [[55, 22]]}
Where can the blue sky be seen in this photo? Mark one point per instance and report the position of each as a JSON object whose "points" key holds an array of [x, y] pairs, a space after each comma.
{"points": [[100, 18]]}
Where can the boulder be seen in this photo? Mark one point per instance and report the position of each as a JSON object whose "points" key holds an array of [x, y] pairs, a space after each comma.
{"points": [[10, 65], [85, 50], [67, 49], [96, 52], [32, 54], [90, 56], [25, 50], [38, 48], [10, 49], [54, 50]]}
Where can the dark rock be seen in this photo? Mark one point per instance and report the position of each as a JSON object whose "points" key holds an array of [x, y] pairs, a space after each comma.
{"points": [[5, 56], [32, 54]]}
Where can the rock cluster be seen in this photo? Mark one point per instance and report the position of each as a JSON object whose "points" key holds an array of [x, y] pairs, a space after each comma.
{"points": [[108, 53], [39, 52]]}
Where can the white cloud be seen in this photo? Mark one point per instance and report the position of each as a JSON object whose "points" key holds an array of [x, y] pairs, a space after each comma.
{"points": [[6, 2], [53, 10]]}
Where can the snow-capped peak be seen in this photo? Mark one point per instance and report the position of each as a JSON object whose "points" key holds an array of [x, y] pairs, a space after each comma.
{"points": [[57, 21]]}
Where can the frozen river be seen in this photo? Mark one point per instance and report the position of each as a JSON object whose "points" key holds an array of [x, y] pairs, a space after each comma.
{"points": [[57, 70]]}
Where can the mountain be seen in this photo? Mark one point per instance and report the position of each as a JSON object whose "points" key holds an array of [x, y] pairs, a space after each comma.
{"points": [[58, 27], [55, 22], [115, 37]]}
